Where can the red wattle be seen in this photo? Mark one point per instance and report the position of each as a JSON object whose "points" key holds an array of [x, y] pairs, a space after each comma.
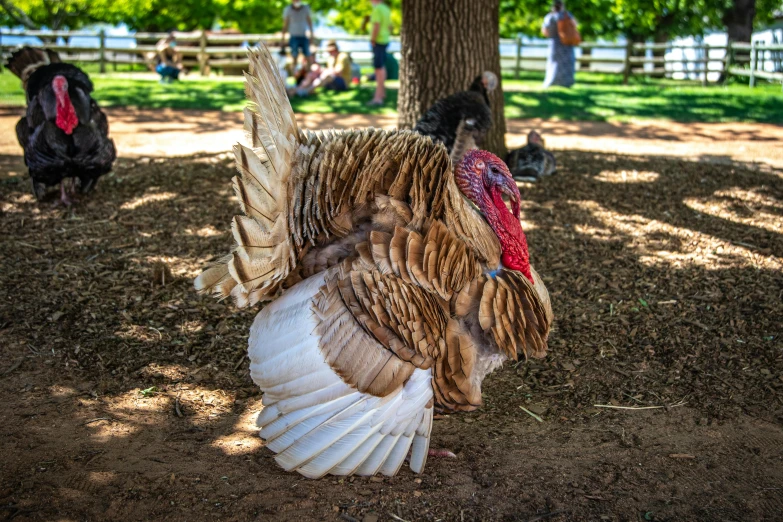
{"points": [[513, 242], [66, 114]]}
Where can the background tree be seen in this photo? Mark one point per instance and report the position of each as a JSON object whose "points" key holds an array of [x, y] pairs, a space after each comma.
{"points": [[445, 45], [51, 14]]}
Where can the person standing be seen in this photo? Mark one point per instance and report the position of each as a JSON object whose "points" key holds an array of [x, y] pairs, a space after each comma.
{"points": [[380, 33], [296, 21], [560, 62]]}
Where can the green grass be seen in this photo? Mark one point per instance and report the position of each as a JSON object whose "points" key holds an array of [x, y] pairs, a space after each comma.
{"points": [[595, 97]]}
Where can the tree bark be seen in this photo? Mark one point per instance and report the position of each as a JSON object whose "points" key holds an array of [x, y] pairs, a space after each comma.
{"points": [[739, 28], [585, 65], [445, 45], [739, 20], [661, 37]]}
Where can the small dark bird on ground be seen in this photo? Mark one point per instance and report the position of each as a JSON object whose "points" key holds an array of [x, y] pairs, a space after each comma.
{"points": [[64, 133], [440, 122], [532, 161]]}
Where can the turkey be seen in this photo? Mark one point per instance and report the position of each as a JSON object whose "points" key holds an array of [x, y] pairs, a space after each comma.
{"points": [[396, 281], [64, 134], [440, 122], [532, 161]]}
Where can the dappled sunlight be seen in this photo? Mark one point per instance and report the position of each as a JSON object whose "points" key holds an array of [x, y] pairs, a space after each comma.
{"points": [[207, 231], [747, 207], [624, 176], [244, 436], [147, 199], [62, 392], [695, 248], [179, 266], [600, 233], [17, 204]]}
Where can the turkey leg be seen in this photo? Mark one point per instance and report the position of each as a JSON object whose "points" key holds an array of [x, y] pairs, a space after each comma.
{"points": [[64, 198]]}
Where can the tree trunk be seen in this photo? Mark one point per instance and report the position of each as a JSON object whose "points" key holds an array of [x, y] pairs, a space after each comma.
{"points": [[445, 45], [739, 27], [587, 52], [661, 37]]}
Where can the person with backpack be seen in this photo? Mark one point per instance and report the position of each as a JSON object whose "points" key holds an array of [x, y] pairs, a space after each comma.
{"points": [[560, 27]]}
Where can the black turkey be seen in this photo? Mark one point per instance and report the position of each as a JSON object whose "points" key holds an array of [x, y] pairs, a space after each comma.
{"points": [[441, 121], [64, 133]]}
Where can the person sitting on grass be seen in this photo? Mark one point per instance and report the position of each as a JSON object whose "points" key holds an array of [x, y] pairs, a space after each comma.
{"points": [[169, 59], [335, 77]]}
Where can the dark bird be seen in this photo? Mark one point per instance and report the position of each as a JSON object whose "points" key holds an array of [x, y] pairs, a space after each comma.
{"points": [[441, 121], [532, 161], [64, 133]]}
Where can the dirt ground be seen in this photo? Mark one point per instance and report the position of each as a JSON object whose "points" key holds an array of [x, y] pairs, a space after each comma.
{"points": [[127, 396], [168, 132]]}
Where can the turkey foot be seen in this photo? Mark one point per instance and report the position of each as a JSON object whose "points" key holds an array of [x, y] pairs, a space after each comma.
{"points": [[65, 199], [441, 453]]}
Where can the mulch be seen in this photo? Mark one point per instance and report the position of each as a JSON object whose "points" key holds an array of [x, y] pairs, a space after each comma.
{"points": [[665, 277]]}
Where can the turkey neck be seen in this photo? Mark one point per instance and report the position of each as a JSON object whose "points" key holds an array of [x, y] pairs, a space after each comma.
{"points": [[466, 221], [66, 114]]}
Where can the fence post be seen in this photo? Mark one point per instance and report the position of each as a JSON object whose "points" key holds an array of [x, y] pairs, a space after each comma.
{"points": [[753, 59], [519, 57], [728, 59], [202, 55], [706, 64], [627, 62], [102, 51]]}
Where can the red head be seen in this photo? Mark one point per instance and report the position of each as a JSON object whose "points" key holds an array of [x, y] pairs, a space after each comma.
{"points": [[66, 114], [483, 178]]}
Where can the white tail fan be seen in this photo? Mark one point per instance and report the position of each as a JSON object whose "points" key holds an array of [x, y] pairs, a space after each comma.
{"points": [[315, 422]]}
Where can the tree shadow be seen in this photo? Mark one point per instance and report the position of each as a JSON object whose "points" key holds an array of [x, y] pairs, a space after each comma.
{"points": [[665, 281]]}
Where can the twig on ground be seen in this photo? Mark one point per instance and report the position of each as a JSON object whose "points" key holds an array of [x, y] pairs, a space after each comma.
{"points": [[96, 420], [613, 407], [747, 245], [539, 419], [14, 366], [239, 362], [395, 517], [544, 516], [695, 323]]}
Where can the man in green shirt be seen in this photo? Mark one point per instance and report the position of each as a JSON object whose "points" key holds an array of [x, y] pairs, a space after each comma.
{"points": [[380, 30]]}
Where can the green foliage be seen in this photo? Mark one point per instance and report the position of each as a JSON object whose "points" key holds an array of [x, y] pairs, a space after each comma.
{"points": [[525, 16], [638, 19], [162, 15], [349, 14], [54, 14], [666, 19]]}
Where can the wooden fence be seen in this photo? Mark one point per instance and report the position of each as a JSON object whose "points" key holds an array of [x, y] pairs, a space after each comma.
{"points": [[206, 50]]}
